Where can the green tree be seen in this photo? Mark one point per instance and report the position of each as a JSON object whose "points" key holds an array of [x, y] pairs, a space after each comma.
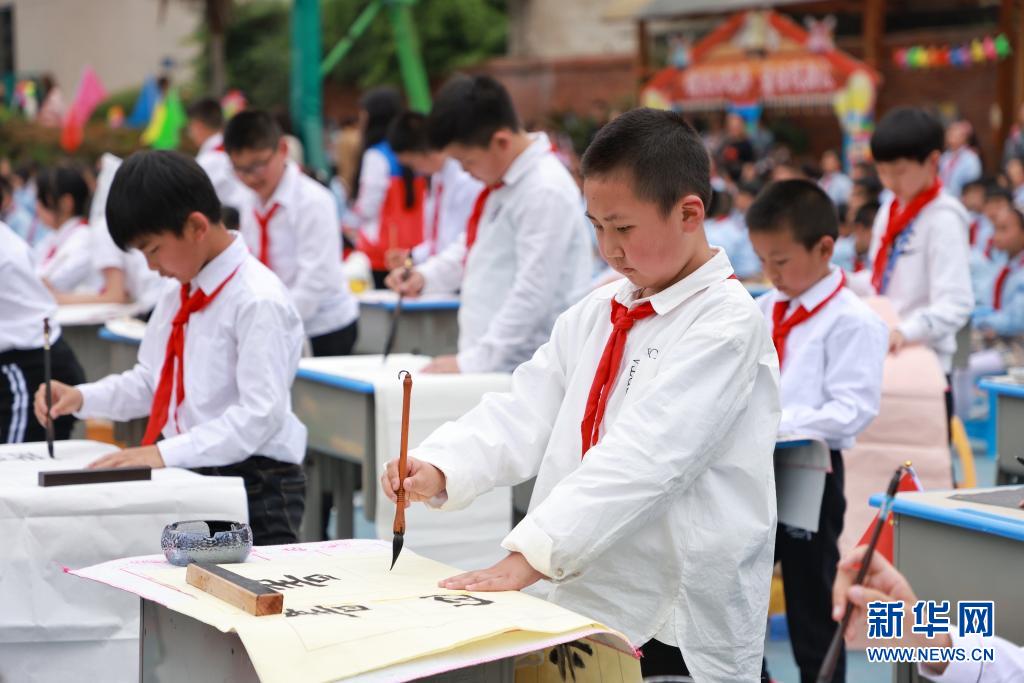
{"points": [[453, 34]]}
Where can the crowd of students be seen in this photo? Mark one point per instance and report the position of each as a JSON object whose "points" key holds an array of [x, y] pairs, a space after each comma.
{"points": [[647, 407]]}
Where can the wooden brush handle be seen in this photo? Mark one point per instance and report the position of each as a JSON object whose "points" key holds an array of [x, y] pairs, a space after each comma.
{"points": [[403, 452], [399, 527]]}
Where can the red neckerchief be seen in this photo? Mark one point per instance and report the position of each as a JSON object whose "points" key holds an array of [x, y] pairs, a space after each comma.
{"points": [[899, 219]]}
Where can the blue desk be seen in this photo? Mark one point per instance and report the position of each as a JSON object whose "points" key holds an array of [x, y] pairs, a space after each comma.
{"points": [[1006, 406], [960, 550], [122, 354], [757, 289], [427, 325]]}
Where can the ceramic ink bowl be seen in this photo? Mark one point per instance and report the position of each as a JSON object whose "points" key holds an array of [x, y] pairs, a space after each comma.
{"points": [[218, 542]]}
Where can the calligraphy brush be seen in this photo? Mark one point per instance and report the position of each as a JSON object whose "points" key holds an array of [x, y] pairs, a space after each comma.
{"points": [[399, 527], [828, 666], [389, 345], [47, 372]]}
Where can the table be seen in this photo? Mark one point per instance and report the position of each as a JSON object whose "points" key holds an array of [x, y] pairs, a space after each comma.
{"points": [[188, 635], [165, 636], [80, 326], [1006, 405], [123, 336], [52, 627], [428, 325], [960, 550], [339, 400]]}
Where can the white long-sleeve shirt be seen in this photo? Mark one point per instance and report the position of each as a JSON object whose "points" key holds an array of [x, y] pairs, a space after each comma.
{"points": [[530, 262], [832, 365], [305, 250], [667, 526], [64, 259], [217, 164], [241, 355], [1007, 665], [374, 181], [442, 225], [24, 300], [930, 286]]}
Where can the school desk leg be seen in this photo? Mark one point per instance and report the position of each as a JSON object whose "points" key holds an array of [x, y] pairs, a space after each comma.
{"points": [[344, 488], [312, 519]]}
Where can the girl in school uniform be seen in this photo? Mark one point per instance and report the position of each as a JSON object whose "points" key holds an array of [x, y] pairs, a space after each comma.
{"points": [[387, 208], [62, 258]]}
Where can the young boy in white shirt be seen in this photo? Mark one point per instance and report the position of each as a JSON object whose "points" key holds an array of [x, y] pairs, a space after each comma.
{"points": [[831, 349], [205, 130], [649, 419], [292, 227], [452, 194], [221, 348], [24, 304], [920, 249], [525, 257]]}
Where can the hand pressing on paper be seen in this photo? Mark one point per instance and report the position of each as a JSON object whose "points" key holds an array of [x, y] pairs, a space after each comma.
{"points": [[423, 481], [66, 400], [143, 456], [511, 574], [442, 365]]}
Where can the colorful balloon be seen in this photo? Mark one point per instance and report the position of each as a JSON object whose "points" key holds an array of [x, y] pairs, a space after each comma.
{"points": [[1002, 45]]}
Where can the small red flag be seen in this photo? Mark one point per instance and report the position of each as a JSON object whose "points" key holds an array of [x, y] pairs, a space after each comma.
{"points": [[908, 482]]}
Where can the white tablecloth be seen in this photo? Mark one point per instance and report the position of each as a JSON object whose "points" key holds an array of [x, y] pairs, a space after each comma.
{"points": [[52, 627]]}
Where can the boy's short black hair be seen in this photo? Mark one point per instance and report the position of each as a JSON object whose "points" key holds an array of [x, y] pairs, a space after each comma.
{"points": [[6, 188], [408, 133], [907, 133], [751, 187], [662, 153], [251, 129], [155, 192], [866, 214], [208, 112], [797, 205], [469, 110], [998, 192], [870, 184], [63, 179], [229, 217], [976, 184]]}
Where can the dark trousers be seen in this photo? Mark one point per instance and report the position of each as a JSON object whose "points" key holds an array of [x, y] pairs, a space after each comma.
{"points": [[378, 278], [336, 343], [660, 659], [21, 374], [276, 492], [809, 563]]}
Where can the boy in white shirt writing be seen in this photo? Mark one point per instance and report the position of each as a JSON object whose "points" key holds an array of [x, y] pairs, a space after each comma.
{"points": [[649, 419]]}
